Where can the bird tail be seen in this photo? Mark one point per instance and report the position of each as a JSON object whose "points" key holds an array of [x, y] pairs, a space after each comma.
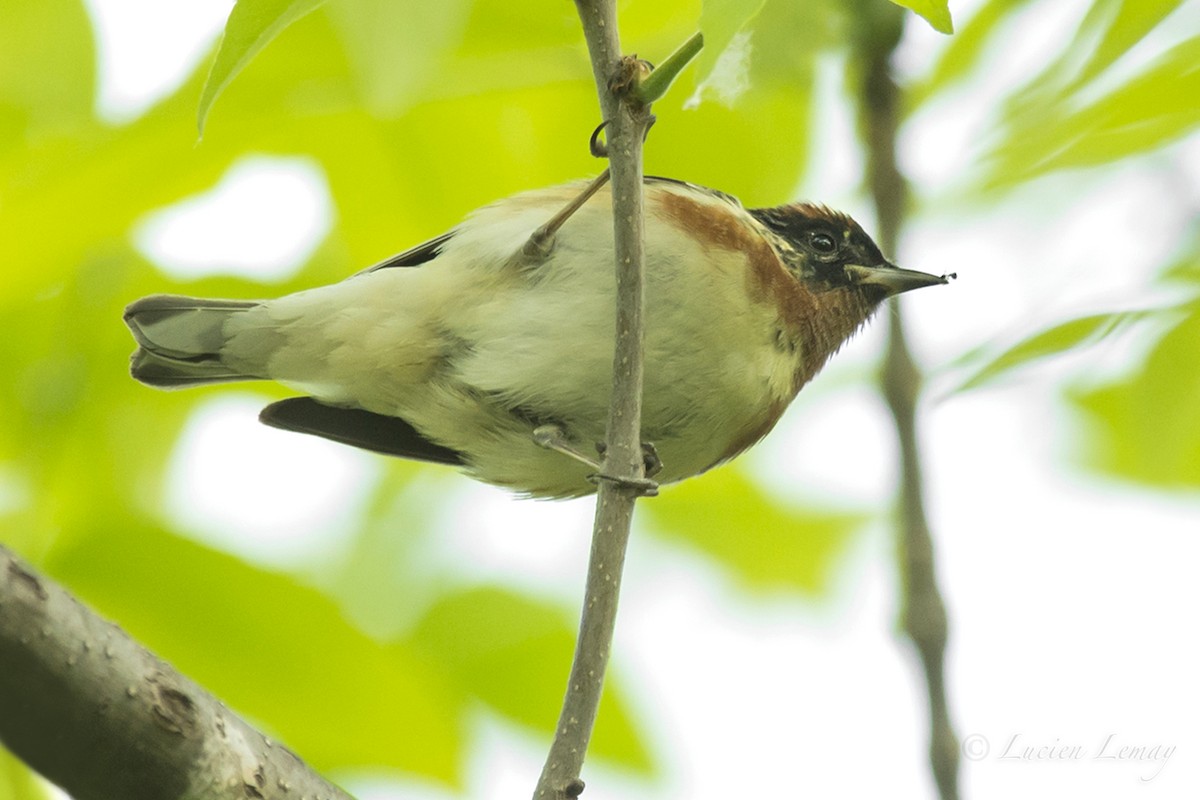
{"points": [[180, 340]]}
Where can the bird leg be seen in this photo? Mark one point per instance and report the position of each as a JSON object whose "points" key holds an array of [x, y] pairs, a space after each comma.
{"points": [[541, 242], [553, 437]]}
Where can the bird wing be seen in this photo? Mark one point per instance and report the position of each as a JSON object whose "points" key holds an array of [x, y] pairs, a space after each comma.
{"points": [[414, 256], [695, 187], [378, 433], [427, 251]]}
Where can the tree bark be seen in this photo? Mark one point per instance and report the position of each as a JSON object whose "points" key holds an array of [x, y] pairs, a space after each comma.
{"points": [[102, 717]]}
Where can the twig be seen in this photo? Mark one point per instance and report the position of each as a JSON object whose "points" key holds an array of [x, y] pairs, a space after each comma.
{"points": [[102, 717], [627, 123], [658, 81], [924, 612]]}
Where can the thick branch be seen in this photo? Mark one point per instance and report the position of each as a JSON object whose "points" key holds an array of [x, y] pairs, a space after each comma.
{"points": [[924, 612], [102, 717], [627, 124]]}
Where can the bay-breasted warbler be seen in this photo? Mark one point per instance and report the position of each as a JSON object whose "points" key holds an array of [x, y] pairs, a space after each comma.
{"points": [[458, 350]]}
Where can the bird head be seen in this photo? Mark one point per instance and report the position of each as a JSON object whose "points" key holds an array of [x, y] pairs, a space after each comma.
{"points": [[829, 251]]}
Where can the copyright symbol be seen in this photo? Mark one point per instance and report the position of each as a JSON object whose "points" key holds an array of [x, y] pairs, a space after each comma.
{"points": [[975, 747]]}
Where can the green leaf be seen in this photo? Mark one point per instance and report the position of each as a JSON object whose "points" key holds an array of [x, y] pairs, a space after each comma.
{"points": [[1145, 428], [1151, 110], [1108, 30], [664, 74], [273, 649], [697, 143], [1186, 268], [17, 781], [764, 543], [720, 21], [1070, 335], [396, 49], [252, 24], [935, 12], [1132, 20], [47, 68], [961, 54], [514, 653]]}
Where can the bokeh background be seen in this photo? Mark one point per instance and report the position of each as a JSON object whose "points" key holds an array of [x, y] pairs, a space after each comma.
{"points": [[408, 631]]}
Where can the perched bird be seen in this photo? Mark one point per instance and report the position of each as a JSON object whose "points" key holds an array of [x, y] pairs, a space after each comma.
{"points": [[458, 350]]}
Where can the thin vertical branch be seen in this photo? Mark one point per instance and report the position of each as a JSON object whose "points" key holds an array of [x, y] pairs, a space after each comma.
{"points": [[623, 461], [924, 612]]}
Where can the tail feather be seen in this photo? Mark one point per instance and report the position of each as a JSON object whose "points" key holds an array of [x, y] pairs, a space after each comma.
{"points": [[180, 340]]}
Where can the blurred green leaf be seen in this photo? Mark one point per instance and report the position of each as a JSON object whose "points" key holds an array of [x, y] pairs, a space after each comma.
{"points": [[1060, 338], [694, 145], [17, 781], [514, 654], [285, 655], [1145, 428], [396, 49], [961, 53], [1122, 28], [1107, 31], [764, 543], [1186, 268], [720, 21], [1152, 109], [272, 649], [252, 24], [41, 91], [935, 12], [769, 121]]}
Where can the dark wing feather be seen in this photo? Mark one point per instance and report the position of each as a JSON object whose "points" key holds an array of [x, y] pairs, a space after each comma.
{"points": [[414, 256], [427, 251], [390, 436], [728, 198]]}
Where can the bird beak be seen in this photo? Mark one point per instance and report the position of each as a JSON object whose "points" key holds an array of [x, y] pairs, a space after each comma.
{"points": [[893, 279]]}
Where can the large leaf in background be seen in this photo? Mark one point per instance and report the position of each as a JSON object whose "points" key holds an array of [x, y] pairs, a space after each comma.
{"points": [[768, 128], [514, 654], [74, 197], [252, 24], [720, 21], [935, 12], [17, 781], [1153, 109], [398, 181], [1059, 119], [752, 139], [41, 91], [1146, 428], [962, 52], [1110, 32], [300, 668], [764, 543], [984, 369], [396, 49], [272, 649], [727, 22]]}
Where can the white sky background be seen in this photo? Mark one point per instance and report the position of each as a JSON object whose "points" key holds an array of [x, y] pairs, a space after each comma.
{"points": [[1072, 600]]}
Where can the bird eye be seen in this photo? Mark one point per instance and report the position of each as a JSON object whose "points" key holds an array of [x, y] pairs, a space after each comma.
{"points": [[823, 243]]}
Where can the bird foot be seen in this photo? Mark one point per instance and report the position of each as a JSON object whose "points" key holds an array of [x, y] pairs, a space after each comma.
{"points": [[553, 437], [651, 463]]}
